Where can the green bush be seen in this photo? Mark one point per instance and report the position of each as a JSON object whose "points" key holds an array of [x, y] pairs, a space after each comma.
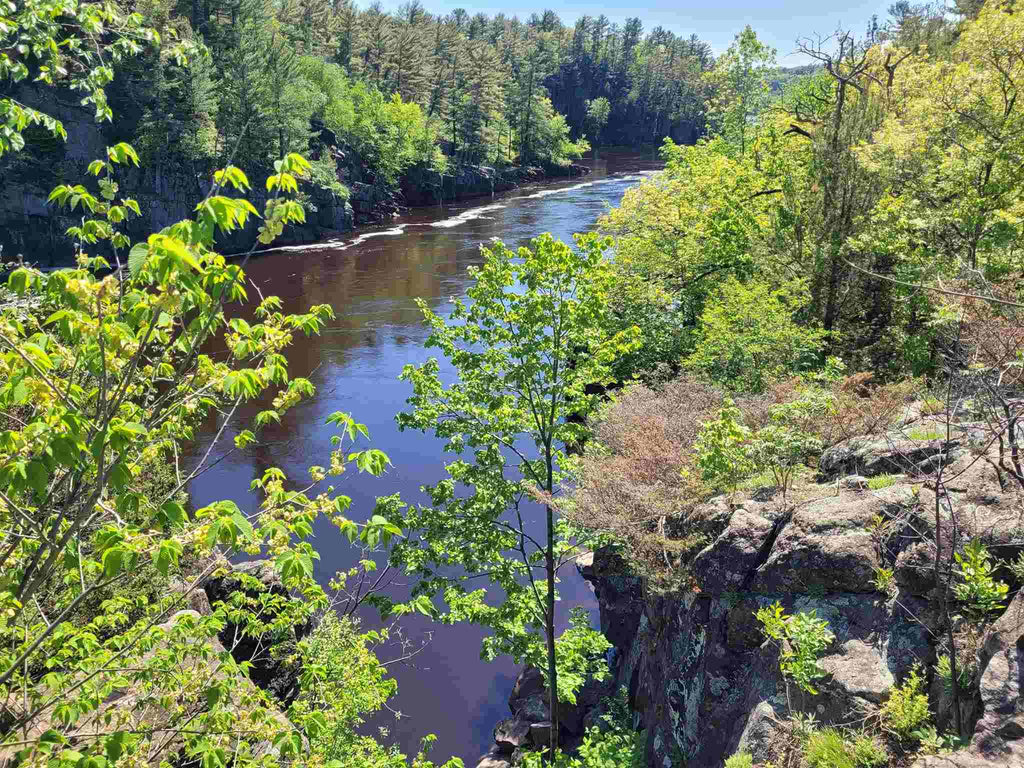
{"points": [[781, 450], [964, 673], [612, 744], [807, 636], [721, 450], [828, 749], [907, 707]]}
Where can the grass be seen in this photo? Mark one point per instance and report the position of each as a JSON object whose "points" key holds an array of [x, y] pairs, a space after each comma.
{"points": [[932, 406], [827, 749], [740, 760], [922, 434]]}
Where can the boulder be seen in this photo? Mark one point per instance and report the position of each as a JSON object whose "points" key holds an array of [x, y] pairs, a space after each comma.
{"points": [[270, 669], [495, 759], [826, 546], [892, 453], [999, 732], [727, 562], [510, 734]]}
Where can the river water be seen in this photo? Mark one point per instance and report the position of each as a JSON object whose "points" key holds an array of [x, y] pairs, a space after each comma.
{"points": [[371, 280]]}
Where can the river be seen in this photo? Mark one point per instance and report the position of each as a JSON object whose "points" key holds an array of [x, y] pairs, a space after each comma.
{"points": [[372, 279]]}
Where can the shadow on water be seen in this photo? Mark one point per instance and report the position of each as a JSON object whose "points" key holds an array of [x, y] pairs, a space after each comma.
{"points": [[372, 280]]}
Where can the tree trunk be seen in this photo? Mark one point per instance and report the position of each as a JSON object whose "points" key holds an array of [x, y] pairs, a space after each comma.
{"points": [[549, 559]]}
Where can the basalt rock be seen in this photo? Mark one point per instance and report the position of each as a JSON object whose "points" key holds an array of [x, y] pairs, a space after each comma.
{"points": [[270, 671], [702, 679]]}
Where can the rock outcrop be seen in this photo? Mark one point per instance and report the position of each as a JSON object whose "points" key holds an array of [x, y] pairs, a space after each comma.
{"points": [[267, 655], [704, 683]]}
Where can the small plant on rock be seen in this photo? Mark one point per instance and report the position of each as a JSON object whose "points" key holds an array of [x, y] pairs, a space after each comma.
{"points": [[878, 482], [803, 637], [827, 749], [885, 580], [867, 752], [781, 450], [978, 591], [964, 673], [907, 708], [740, 760], [935, 743]]}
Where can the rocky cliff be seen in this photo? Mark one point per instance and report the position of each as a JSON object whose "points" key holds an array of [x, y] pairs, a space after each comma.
{"points": [[704, 683]]}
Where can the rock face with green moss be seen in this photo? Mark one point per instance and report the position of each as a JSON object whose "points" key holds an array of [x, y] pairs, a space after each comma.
{"points": [[704, 682]]}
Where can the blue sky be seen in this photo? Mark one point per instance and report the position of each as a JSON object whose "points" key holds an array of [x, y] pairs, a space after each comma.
{"points": [[778, 23]]}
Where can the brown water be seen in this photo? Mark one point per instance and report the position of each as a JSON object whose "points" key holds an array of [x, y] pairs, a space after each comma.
{"points": [[372, 279]]}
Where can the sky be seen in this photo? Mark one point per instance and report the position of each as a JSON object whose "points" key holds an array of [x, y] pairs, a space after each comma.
{"points": [[778, 23]]}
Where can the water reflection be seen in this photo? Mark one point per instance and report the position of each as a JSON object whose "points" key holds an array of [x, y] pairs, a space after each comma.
{"points": [[372, 281]]}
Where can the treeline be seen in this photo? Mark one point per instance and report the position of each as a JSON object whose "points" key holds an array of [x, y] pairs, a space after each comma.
{"points": [[369, 94]]}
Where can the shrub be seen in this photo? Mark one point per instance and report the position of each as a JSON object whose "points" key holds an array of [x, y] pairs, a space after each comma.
{"points": [[780, 450], [613, 744], [868, 753], [740, 760], [638, 479], [829, 405], [721, 449], [827, 749], [944, 669], [907, 707], [884, 579]]}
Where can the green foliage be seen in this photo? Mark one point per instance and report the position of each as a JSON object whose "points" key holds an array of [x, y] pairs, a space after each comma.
{"points": [[598, 111], [828, 749], [721, 449], [1017, 567], [740, 760], [781, 450], [803, 638], [906, 709], [867, 752], [68, 44], [878, 482], [611, 744], [978, 591], [741, 93], [885, 580], [750, 336], [944, 669], [526, 346], [343, 680], [107, 372], [934, 743]]}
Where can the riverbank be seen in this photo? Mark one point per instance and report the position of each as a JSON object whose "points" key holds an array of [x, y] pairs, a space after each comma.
{"points": [[32, 228]]}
